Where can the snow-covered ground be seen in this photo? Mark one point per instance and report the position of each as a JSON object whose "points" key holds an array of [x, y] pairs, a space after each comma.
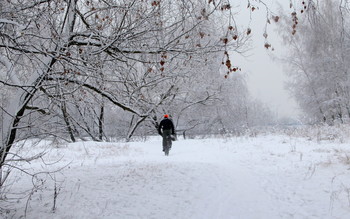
{"points": [[270, 176]]}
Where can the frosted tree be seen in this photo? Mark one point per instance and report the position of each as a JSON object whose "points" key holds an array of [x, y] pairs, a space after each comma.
{"points": [[319, 59], [65, 63], [50, 59], [62, 60]]}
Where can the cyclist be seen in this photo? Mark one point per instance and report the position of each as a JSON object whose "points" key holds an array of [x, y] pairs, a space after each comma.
{"points": [[166, 129]]}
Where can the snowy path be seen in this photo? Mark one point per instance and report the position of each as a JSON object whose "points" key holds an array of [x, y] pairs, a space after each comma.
{"points": [[268, 177]]}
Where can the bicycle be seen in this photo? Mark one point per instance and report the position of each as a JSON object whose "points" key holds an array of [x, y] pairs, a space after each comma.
{"points": [[168, 143]]}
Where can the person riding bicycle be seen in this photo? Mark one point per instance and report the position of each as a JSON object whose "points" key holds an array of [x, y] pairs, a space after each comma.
{"points": [[166, 129]]}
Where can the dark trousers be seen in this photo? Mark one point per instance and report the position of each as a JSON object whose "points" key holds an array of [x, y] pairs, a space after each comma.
{"points": [[167, 138]]}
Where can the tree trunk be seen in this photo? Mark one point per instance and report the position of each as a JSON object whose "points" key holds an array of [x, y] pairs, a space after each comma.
{"points": [[100, 122], [134, 127], [66, 120], [18, 116]]}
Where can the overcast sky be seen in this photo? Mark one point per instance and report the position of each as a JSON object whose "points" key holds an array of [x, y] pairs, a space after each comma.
{"points": [[266, 78]]}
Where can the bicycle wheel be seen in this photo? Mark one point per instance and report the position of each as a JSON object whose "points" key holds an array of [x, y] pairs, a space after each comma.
{"points": [[167, 145]]}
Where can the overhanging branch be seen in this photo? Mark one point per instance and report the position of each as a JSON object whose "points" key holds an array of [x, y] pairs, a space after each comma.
{"points": [[99, 91]]}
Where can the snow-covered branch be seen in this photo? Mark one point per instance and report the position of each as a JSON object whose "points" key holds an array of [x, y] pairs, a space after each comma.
{"points": [[6, 21], [98, 91]]}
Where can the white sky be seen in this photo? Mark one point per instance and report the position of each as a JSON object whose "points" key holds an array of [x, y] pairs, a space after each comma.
{"points": [[266, 78]]}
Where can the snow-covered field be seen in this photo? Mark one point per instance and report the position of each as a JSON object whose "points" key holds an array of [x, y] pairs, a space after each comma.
{"points": [[270, 176]]}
